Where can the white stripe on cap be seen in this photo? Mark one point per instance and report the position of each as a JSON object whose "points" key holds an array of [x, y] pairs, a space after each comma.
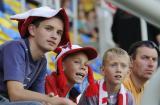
{"points": [[39, 12]]}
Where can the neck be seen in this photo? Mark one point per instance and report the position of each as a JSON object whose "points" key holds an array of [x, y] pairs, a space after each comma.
{"points": [[138, 82], [70, 85], [111, 88], [35, 51]]}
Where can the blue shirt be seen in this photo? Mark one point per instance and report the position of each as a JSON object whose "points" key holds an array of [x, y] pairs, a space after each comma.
{"points": [[16, 64]]}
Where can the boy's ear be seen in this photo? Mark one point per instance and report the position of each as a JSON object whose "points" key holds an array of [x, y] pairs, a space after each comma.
{"points": [[31, 29]]}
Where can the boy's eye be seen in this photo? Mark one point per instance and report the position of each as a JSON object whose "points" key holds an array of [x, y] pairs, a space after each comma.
{"points": [[60, 33], [113, 65], [123, 65], [48, 28], [76, 61]]}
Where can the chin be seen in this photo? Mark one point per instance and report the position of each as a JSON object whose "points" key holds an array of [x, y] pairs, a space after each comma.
{"points": [[117, 82], [46, 49], [148, 77], [79, 81], [51, 48]]}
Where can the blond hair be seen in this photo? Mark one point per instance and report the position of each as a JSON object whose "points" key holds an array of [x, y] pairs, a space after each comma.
{"points": [[116, 51]]}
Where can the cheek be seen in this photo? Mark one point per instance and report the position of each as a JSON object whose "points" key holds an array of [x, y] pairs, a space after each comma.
{"points": [[86, 72], [138, 64], [41, 38], [69, 73], [71, 69], [67, 69], [107, 73], [142, 62], [59, 39], [125, 72], [142, 65]]}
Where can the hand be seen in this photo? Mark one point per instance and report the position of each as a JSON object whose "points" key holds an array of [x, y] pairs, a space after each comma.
{"points": [[51, 94], [44, 103], [69, 102]]}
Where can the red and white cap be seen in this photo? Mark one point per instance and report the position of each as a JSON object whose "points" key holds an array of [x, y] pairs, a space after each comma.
{"points": [[64, 52], [24, 19], [89, 51]]}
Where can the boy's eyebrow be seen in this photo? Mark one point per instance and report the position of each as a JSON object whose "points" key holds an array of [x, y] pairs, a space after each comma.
{"points": [[49, 26], [79, 58]]}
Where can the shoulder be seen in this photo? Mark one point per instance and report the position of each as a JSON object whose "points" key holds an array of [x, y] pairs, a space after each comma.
{"points": [[15, 50], [13, 45]]}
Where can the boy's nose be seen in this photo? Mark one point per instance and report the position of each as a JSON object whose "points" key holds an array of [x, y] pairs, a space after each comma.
{"points": [[83, 67], [54, 35], [118, 70]]}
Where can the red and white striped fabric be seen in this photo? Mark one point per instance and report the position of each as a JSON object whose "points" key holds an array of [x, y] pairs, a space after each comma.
{"points": [[103, 95]]}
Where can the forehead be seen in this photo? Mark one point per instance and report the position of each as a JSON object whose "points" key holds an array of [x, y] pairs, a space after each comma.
{"points": [[147, 51], [53, 21], [114, 57]]}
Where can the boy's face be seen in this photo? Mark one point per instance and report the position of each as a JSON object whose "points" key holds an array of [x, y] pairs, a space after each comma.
{"points": [[75, 67], [48, 34], [145, 63], [115, 69]]}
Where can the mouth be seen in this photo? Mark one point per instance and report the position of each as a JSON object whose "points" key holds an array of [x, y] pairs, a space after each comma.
{"points": [[118, 76], [149, 71], [81, 75], [52, 43]]}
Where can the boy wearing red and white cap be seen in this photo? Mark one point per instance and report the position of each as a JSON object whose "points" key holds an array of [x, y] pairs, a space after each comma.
{"points": [[22, 62], [72, 68]]}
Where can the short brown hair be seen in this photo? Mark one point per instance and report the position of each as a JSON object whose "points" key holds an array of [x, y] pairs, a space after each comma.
{"points": [[133, 49]]}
